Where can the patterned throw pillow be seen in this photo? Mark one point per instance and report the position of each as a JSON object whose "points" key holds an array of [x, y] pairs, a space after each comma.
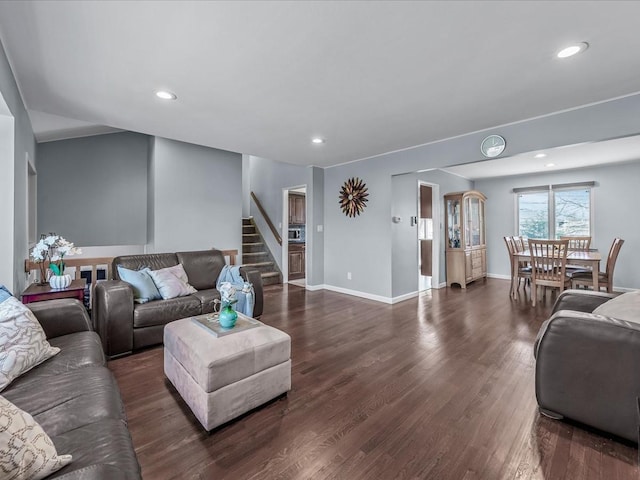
{"points": [[23, 343], [26, 451], [172, 282]]}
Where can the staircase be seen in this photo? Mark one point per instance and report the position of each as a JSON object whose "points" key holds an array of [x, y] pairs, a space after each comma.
{"points": [[255, 254]]}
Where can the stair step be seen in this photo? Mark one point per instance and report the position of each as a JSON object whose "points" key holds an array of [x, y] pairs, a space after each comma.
{"points": [[250, 237], [271, 278], [251, 247], [257, 256], [264, 267], [254, 254]]}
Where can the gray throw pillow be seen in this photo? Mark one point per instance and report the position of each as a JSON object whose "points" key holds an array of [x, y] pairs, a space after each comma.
{"points": [[623, 307]]}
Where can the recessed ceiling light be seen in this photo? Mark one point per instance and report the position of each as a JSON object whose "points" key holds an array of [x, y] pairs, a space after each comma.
{"points": [[165, 95], [317, 140], [550, 165], [540, 155], [571, 50]]}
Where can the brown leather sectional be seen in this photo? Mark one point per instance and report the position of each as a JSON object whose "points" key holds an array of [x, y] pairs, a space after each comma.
{"points": [[587, 365], [125, 326], [75, 398]]}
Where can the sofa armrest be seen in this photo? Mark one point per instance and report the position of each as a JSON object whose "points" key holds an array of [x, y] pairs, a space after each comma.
{"points": [[113, 316], [581, 300], [61, 317], [253, 276], [586, 370]]}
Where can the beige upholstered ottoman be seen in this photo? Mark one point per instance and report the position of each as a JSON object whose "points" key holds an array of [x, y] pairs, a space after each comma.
{"points": [[222, 378]]}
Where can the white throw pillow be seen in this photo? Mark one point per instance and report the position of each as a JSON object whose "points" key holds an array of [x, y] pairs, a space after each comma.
{"points": [[23, 343], [172, 282], [623, 307], [26, 451]]}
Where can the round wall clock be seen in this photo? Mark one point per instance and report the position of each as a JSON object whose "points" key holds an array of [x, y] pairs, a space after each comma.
{"points": [[492, 146], [353, 197]]}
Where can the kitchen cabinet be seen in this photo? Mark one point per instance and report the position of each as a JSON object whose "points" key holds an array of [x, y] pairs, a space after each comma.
{"points": [[465, 234], [297, 258], [297, 209]]}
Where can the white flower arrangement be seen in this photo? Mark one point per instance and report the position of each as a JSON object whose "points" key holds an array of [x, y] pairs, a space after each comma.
{"points": [[52, 249], [227, 294]]}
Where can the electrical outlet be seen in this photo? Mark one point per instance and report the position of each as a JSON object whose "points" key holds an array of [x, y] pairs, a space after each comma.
{"points": [[319, 228], [348, 275]]}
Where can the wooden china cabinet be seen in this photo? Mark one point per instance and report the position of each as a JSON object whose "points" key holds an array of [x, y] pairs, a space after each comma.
{"points": [[465, 237]]}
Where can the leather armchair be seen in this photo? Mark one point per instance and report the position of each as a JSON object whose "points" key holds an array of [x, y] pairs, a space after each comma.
{"points": [[587, 365]]}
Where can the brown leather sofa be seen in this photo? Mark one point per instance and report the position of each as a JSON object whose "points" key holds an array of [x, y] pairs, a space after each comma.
{"points": [[75, 398], [587, 365], [125, 326]]}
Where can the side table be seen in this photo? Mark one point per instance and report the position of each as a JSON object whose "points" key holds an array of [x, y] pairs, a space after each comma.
{"points": [[39, 293]]}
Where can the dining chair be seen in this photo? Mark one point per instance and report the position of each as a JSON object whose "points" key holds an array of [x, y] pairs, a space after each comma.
{"points": [[581, 243], [520, 243], [585, 277], [524, 271], [548, 265]]}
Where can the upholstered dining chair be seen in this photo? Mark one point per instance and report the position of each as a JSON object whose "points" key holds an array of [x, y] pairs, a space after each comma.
{"points": [[524, 271], [585, 277], [548, 265]]}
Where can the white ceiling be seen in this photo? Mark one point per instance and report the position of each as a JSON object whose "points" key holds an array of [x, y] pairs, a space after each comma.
{"points": [[581, 155], [262, 78]]}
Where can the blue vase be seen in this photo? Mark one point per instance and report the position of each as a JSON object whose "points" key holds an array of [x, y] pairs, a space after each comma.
{"points": [[228, 317]]}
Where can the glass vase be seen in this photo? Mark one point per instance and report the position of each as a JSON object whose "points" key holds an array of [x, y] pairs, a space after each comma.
{"points": [[228, 317]]}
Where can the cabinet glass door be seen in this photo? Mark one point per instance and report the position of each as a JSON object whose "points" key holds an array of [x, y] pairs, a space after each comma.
{"points": [[453, 223], [474, 221]]}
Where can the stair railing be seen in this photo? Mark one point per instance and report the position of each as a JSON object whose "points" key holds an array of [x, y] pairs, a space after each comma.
{"points": [[272, 227]]}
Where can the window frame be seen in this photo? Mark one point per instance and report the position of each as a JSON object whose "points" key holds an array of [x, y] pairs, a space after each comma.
{"points": [[551, 203]]}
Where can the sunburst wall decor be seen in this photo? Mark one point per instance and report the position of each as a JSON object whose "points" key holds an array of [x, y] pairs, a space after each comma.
{"points": [[353, 197]]}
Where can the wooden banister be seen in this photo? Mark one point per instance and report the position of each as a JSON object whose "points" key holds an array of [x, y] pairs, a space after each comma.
{"points": [[232, 254], [267, 219]]}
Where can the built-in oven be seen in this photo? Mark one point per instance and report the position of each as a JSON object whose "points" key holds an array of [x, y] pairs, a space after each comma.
{"points": [[295, 233]]}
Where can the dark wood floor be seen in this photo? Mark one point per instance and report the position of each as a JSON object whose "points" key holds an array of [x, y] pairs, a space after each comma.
{"points": [[437, 387]]}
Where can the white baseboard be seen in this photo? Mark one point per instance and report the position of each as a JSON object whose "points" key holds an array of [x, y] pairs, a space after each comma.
{"points": [[368, 296], [499, 276], [442, 285], [357, 293]]}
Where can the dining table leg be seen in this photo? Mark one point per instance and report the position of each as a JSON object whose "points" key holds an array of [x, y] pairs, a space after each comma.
{"points": [[595, 271], [514, 277]]}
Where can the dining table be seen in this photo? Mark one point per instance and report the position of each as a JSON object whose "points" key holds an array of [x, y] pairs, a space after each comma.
{"points": [[586, 258]]}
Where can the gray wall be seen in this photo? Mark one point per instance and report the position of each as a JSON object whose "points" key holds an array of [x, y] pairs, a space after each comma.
{"points": [[267, 179], [197, 194], [364, 245], [404, 236], [23, 143], [448, 183], [615, 198], [93, 190], [315, 218]]}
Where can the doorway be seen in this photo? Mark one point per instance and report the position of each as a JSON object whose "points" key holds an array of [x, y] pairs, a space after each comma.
{"points": [[428, 240], [294, 235]]}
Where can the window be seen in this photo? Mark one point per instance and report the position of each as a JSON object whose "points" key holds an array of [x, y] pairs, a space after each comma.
{"points": [[553, 211]]}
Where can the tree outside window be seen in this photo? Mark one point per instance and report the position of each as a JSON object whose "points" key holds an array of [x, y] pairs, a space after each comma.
{"points": [[554, 213]]}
